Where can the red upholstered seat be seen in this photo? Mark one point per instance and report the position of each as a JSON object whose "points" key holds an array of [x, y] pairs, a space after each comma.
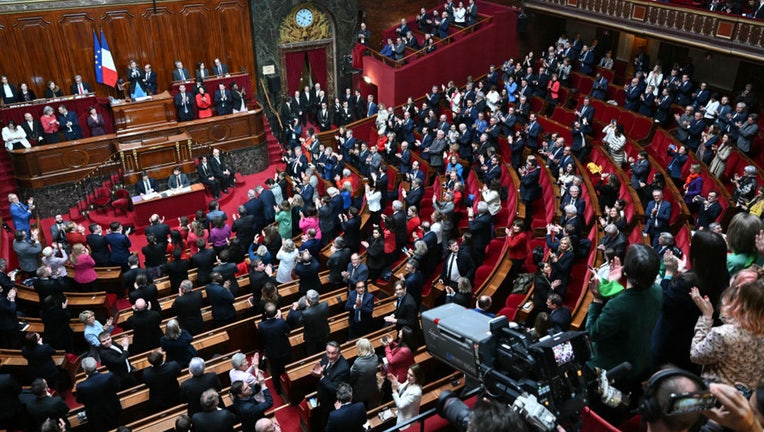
{"points": [[120, 204], [508, 312], [101, 197]]}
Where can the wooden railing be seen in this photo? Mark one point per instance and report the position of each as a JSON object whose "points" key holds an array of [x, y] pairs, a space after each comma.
{"points": [[730, 34]]}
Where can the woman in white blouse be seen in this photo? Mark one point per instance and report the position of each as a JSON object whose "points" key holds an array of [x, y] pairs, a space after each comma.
{"points": [[460, 12], [655, 78], [408, 396], [373, 201], [15, 138]]}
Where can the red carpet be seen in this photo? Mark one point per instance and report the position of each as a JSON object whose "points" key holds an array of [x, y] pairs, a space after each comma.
{"points": [[229, 203]]}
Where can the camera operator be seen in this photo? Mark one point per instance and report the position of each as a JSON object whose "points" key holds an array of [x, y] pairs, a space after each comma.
{"points": [[734, 411], [491, 416], [667, 404]]}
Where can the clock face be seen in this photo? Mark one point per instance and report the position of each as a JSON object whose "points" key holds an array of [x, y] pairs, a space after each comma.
{"points": [[304, 17]]}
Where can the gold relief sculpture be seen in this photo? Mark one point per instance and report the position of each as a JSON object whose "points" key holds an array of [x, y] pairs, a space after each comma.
{"points": [[291, 31]]}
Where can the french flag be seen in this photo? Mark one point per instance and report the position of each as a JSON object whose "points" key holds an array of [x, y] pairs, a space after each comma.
{"points": [[106, 71], [97, 49]]}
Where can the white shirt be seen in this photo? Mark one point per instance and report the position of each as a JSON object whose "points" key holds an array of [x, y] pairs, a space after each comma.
{"points": [[15, 136]]}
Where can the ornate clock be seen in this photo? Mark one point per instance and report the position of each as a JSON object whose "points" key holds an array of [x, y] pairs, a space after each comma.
{"points": [[304, 17]]}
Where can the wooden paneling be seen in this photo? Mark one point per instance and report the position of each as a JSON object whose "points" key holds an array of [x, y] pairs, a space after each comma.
{"points": [[70, 161], [55, 45]]}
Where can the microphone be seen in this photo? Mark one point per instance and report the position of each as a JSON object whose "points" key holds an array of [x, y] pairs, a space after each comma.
{"points": [[618, 371]]}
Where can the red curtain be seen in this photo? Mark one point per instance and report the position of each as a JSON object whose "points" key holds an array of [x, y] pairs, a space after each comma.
{"points": [[294, 62], [317, 59]]}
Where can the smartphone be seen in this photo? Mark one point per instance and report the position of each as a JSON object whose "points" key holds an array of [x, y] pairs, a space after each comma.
{"points": [[744, 390], [384, 339], [690, 402]]}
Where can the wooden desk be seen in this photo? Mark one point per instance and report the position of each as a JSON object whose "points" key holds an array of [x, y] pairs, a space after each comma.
{"points": [[157, 110], [170, 205]]}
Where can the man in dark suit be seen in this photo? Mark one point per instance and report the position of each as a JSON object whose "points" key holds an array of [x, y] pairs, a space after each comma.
{"points": [[223, 100], [658, 213], [146, 185], [99, 247], [131, 274], [219, 68], [415, 194], [33, 128], [708, 211], [180, 73], [145, 324], [221, 300], [458, 263], [307, 269], [259, 275], [221, 171], [184, 104], [275, 334], [351, 226], [162, 381], [573, 197], [338, 262], [315, 321], [254, 208], [207, 177], [99, 395], [160, 229], [115, 358], [227, 271], [310, 243], [204, 261], [347, 416], [177, 180], [360, 306], [149, 79], [80, 87], [481, 226], [613, 239], [45, 406], [247, 409], [269, 202], [406, 313], [559, 315], [414, 281], [187, 307], [244, 227], [191, 390], [212, 418], [331, 370]]}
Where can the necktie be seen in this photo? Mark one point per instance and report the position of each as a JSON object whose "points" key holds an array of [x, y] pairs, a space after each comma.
{"points": [[352, 272], [147, 186], [358, 314], [658, 206], [82, 90], [182, 75], [220, 70]]}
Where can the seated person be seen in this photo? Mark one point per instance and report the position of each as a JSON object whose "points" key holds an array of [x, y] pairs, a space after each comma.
{"points": [[147, 184], [177, 180]]}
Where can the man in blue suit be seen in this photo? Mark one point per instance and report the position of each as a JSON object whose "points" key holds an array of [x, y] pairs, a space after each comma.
{"points": [[360, 306], [99, 395], [371, 107], [20, 212], [269, 202], [275, 332], [347, 416], [177, 180], [658, 213]]}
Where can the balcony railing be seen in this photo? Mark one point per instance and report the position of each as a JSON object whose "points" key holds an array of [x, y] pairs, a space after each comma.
{"points": [[730, 34]]}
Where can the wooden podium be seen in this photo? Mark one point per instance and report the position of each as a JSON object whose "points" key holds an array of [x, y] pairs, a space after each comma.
{"points": [[157, 110]]}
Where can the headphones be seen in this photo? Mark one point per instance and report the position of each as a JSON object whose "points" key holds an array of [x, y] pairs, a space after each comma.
{"points": [[649, 407]]}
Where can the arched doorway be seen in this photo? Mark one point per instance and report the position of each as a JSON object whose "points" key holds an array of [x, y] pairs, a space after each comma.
{"points": [[307, 49]]}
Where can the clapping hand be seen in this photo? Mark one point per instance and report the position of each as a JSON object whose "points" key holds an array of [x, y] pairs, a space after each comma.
{"points": [[703, 302]]}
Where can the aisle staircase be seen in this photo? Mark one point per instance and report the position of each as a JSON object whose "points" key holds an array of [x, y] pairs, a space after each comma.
{"points": [[7, 184], [275, 151]]}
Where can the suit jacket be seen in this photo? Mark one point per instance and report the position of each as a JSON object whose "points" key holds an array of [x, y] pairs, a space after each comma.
{"points": [[218, 420], [315, 319], [480, 227], [161, 231], [362, 320], [706, 215], [115, 359], [148, 293], [327, 386], [40, 409], [224, 106], [162, 380], [414, 197], [348, 418], [228, 272], [464, 263], [308, 274], [173, 183], [34, 132], [119, 245], [244, 227], [580, 204], [661, 219], [268, 200], [275, 333], [352, 233], [192, 389], [129, 277], [221, 302], [406, 313], [99, 395], [85, 86], [337, 263], [561, 319], [250, 411], [99, 249], [204, 262], [146, 330], [176, 75]]}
